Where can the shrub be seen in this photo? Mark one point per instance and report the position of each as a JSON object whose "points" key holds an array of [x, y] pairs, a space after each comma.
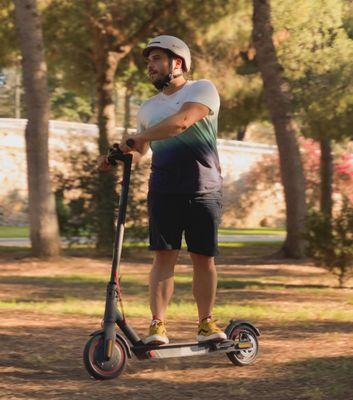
{"points": [[330, 241], [75, 188], [76, 185]]}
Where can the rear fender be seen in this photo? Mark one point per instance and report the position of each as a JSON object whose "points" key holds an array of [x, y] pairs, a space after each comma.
{"points": [[235, 323]]}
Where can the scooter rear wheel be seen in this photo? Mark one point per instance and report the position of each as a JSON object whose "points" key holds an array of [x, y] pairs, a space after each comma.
{"points": [[95, 363], [244, 357]]}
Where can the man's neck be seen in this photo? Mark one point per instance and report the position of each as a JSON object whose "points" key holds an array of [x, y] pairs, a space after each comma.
{"points": [[174, 85]]}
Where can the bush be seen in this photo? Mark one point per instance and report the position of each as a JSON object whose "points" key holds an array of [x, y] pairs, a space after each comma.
{"points": [[330, 241], [76, 185], [75, 191]]}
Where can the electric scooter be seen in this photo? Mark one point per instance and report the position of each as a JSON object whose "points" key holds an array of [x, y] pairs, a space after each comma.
{"points": [[107, 351]]}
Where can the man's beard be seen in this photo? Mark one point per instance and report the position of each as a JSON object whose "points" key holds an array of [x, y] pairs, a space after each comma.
{"points": [[162, 82]]}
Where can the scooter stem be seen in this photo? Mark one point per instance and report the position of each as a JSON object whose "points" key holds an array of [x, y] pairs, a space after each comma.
{"points": [[110, 313], [115, 155]]}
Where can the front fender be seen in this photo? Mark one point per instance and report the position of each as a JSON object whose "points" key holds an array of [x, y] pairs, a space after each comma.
{"points": [[119, 337]]}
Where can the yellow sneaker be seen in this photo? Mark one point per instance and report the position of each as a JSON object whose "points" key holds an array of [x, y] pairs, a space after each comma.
{"points": [[157, 334], [208, 330]]}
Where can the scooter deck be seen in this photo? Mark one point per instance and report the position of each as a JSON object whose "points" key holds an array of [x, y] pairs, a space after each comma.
{"points": [[189, 349]]}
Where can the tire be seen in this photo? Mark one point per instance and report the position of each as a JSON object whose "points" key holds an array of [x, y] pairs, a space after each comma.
{"points": [[244, 357], [93, 358]]}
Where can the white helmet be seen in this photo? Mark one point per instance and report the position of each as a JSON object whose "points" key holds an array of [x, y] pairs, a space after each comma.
{"points": [[173, 44]]}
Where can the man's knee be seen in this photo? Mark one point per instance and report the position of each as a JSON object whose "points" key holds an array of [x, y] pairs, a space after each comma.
{"points": [[202, 260], [166, 256]]}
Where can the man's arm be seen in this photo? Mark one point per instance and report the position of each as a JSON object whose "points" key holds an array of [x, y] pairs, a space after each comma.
{"points": [[177, 123]]}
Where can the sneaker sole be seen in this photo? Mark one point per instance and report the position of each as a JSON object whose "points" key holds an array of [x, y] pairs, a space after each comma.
{"points": [[156, 339], [214, 337]]}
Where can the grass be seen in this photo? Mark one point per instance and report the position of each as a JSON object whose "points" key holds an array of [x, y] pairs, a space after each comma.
{"points": [[306, 327], [249, 244], [251, 231], [179, 310], [23, 231], [14, 231], [90, 250], [83, 294]]}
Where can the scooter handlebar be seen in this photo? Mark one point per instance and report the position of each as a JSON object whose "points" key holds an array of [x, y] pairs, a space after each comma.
{"points": [[130, 142], [115, 154]]}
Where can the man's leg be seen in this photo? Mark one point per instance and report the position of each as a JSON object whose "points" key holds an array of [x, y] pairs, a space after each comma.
{"points": [[201, 238], [162, 281], [204, 289], [204, 283]]}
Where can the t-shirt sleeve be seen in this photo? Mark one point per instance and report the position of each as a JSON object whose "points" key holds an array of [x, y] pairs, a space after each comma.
{"points": [[204, 92], [139, 124]]}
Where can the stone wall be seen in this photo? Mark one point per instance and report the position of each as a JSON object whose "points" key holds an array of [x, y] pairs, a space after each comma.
{"points": [[237, 159]]}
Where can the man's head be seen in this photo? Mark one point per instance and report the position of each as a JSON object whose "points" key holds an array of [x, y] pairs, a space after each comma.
{"points": [[167, 58]]}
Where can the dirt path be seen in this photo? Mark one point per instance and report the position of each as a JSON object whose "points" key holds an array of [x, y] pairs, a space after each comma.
{"points": [[41, 356]]}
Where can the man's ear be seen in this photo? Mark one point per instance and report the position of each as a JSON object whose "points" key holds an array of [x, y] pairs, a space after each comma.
{"points": [[178, 63]]}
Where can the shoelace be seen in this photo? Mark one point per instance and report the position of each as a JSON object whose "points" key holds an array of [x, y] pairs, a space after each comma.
{"points": [[212, 325], [156, 322]]}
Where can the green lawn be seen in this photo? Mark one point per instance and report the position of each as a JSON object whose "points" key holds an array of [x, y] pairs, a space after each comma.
{"points": [[14, 231], [251, 231], [81, 294], [23, 231]]}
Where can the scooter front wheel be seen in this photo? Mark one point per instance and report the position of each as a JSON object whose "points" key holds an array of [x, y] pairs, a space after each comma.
{"points": [[96, 364], [243, 334]]}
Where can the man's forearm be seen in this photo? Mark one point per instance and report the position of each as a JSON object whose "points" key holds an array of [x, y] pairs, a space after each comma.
{"points": [[169, 127]]}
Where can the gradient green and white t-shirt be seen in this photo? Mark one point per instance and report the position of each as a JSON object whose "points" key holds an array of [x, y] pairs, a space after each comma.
{"points": [[187, 163]]}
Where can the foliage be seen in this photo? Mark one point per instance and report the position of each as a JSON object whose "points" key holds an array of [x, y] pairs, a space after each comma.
{"points": [[69, 106], [265, 176], [75, 191], [342, 171], [316, 51], [226, 57], [76, 197], [9, 51], [330, 241]]}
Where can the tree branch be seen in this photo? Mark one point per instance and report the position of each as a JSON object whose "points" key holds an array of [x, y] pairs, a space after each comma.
{"points": [[158, 13]]}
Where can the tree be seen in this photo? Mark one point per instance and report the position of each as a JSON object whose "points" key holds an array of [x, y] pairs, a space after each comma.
{"points": [[8, 48], [277, 98], [320, 76], [90, 40], [42, 216], [225, 56]]}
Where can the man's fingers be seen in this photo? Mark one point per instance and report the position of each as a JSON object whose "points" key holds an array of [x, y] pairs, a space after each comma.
{"points": [[125, 148], [103, 163]]}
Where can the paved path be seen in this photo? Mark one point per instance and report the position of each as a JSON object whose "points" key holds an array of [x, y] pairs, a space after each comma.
{"points": [[24, 242]]}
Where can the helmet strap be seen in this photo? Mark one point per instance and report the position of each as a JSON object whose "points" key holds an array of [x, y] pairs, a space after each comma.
{"points": [[164, 82]]}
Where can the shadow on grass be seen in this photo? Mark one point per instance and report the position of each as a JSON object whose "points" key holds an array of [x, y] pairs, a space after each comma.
{"points": [[54, 364], [85, 288], [249, 254], [53, 288]]}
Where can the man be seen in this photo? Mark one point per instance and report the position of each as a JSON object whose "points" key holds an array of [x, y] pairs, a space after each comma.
{"points": [[180, 125]]}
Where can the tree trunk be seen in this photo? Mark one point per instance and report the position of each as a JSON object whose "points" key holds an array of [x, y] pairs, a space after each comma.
{"points": [[326, 172], [44, 231], [110, 47], [106, 64], [278, 103], [241, 133]]}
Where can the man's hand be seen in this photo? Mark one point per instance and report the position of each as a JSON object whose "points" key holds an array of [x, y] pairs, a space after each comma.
{"points": [[103, 164], [140, 144]]}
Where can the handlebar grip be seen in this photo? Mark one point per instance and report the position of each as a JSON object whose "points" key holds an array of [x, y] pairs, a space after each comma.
{"points": [[130, 143]]}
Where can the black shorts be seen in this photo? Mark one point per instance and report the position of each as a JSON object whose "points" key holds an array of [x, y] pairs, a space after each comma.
{"points": [[198, 216]]}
